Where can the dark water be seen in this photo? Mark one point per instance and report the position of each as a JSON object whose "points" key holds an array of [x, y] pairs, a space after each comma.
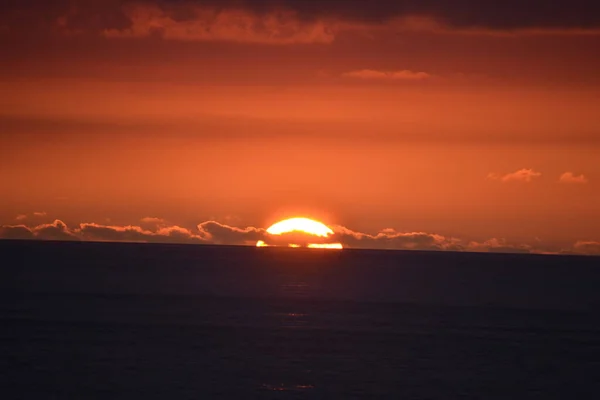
{"points": [[82, 320]]}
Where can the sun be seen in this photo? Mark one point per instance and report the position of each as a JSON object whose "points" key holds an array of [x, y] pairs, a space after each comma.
{"points": [[305, 227]]}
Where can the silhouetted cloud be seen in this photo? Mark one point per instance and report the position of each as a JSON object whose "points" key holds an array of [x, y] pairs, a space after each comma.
{"points": [[132, 233], [522, 175], [212, 232], [218, 233], [21, 217], [390, 239], [496, 245], [39, 213], [16, 232], [569, 177], [399, 75], [587, 247], [57, 230]]}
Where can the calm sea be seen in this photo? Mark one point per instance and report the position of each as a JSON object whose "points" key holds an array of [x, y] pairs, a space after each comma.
{"points": [[145, 321]]}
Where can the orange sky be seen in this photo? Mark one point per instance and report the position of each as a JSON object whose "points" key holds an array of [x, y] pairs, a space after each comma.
{"points": [[480, 127]]}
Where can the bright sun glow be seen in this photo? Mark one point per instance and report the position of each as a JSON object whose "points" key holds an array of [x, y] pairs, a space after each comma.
{"points": [[325, 246], [305, 226]]}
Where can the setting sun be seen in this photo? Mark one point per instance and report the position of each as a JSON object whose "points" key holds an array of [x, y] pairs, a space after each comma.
{"points": [[302, 226], [305, 225]]}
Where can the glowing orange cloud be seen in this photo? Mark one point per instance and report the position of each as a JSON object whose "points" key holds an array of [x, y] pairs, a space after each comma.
{"points": [[304, 226], [569, 177], [523, 175]]}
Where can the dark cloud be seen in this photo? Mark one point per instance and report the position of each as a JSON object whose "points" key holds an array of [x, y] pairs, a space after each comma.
{"points": [[90, 14], [507, 14], [197, 22], [288, 21]]}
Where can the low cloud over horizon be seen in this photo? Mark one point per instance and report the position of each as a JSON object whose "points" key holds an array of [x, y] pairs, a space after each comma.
{"points": [[215, 233]]}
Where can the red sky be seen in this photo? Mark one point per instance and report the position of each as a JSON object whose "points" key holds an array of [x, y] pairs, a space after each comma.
{"points": [[454, 125]]}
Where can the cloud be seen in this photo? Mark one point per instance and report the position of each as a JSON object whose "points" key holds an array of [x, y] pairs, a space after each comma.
{"points": [[212, 232], [198, 23], [297, 21], [522, 175], [587, 247], [442, 26], [390, 239], [386, 75], [57, 230], [132, 233], [495, 245], [37, 214], [218, 233], [569, 177], [215, 232], [16, 232]]}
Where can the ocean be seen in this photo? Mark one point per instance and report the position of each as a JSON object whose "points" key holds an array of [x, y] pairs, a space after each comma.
{"points": [[149, 321]]}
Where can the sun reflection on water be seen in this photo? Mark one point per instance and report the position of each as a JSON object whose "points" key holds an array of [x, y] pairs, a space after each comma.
{"points": [[285, 388]]}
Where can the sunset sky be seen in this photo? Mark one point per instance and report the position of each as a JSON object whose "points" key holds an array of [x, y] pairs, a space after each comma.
{"points": [[409, 124]]}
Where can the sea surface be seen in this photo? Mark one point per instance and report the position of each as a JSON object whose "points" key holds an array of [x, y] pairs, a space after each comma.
{"points": [[147, 321]]}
